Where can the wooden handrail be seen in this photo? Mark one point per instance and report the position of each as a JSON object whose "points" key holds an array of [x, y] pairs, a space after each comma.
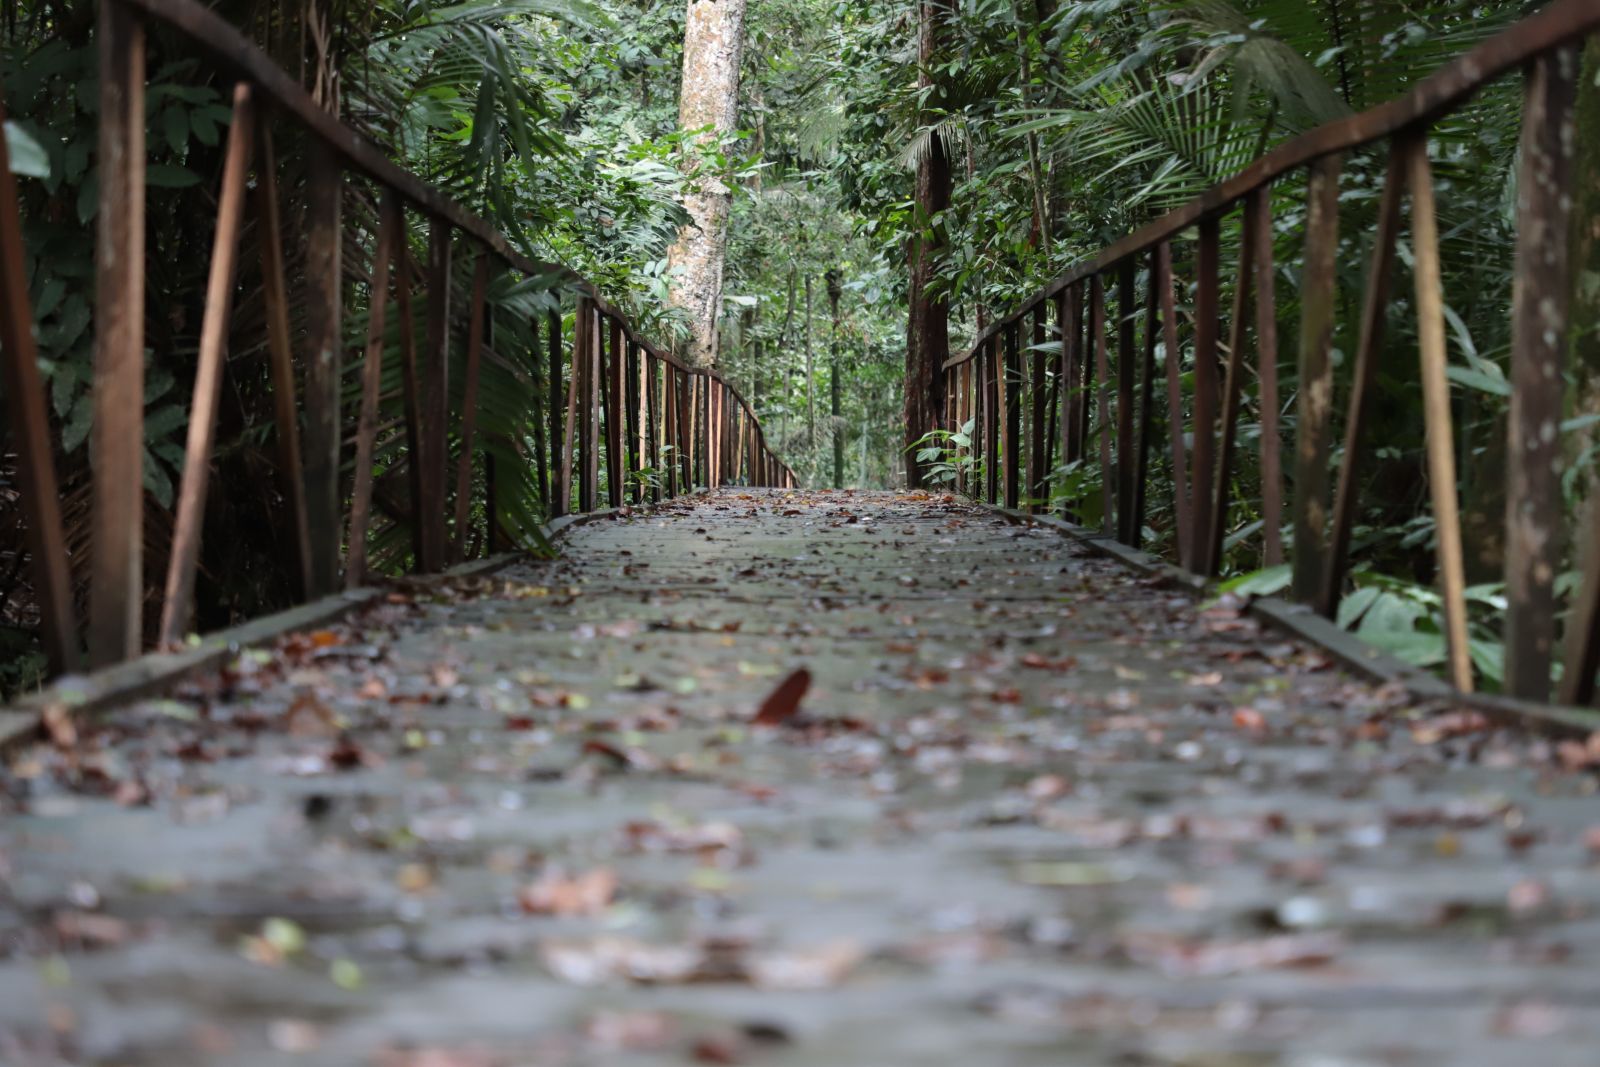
{"points": [[1203, 441], [720, 443], [1562, 22]]}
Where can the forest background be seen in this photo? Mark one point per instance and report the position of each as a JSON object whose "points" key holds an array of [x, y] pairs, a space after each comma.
{"points": [[901, 171]]}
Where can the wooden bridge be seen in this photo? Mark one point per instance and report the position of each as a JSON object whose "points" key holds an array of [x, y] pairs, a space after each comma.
{"points": [[719, 769]]}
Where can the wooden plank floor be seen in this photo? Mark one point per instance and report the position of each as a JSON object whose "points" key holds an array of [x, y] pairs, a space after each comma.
{"points": [[1033, 810]]}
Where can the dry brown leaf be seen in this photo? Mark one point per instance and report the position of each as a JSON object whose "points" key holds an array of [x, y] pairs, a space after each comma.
{"points": [[557, 894], [630, 1031], [89, 929], [783, 702], [310, 717], [1249, 719], [58, 726]]}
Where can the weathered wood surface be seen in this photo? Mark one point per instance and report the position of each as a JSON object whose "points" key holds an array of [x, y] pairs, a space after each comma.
{"points": [[176, 605], [116, 443], [1033, 808], [28, 423]]}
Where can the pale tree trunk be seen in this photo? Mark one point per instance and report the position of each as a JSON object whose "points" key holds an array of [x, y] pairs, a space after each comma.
{"points": [[713, 43]]}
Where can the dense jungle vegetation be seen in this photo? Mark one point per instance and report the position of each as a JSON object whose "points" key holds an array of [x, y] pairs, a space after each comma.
{"points": [[1059, 126]]}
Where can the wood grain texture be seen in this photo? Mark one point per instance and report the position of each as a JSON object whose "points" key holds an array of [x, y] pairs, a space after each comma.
{"points": [[355, 565], [116, 443], [1369, 343], [1313, 429], [1207, 322], [1436, 412], [178, 602], [280, 358], [1183, 515], [29, 422]]}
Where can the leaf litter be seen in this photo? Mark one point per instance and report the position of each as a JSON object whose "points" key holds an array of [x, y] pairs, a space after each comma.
{"points": [[1101, 773]]}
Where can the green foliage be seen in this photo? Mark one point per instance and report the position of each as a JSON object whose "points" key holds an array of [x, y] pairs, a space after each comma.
{"points": [[947, 455], [1067, 125]]}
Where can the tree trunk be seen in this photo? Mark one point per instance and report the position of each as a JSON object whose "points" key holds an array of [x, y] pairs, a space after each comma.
{"points": [[1036, 178], [1586, 230], [811, 381], [927, 327], [837, 424], [713, 44]]}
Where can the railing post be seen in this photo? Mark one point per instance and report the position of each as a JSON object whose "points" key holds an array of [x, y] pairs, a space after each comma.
{"points": [[683, 390], [542, 441], [325, 361], [280, 351], [736, 440], [1313, 428], [658, 395], [1207, 317], [1011, 405], [637, 394], [1541, 295], [560, 428], [963, 417], [178, 601], [714, 431], [434, 401], [1146, 405], [1102, 401], [1038, 458], [988, 371], [1436, 412], [411, 380], [1172, 356], [1369, 343], [694, 425], [727, 444], [1127, 371], [477, 331], [1086, 368], [1233, 395], [1260, 207], [617, 468], [116, 593], [355, 568], [667, 429], [30, 433], [589, 406], [1070, 316]]}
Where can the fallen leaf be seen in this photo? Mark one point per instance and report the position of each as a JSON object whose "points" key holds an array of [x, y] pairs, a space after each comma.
{"points": [[58, 726], [310, 717], [607, 958], [721, 1046], [558, 894], [816, 968], [621, 758], [783, 702], [90, 930], [1249, 719], [630, 1031]]}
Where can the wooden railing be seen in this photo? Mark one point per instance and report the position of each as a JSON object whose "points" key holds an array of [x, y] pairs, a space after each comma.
{"points": [[617, 404], [1095, 393]]}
